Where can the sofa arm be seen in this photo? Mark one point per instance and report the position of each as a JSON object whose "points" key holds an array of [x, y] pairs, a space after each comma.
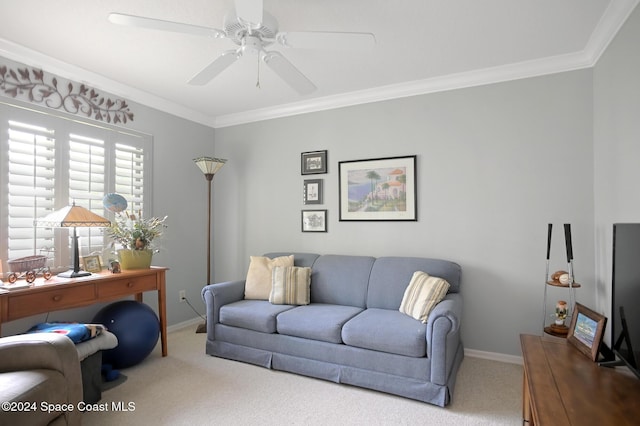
{"points": [[34, 351], [47, 351], [216, 296], [443, 336]]}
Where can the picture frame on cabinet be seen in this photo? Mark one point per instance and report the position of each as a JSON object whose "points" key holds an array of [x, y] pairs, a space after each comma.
{"points": [[586, 330], [91, 263]]}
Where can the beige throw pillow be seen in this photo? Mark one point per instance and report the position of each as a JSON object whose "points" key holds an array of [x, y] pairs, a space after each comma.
{"points": [[290, 285], [258, 284], [423, 293]]}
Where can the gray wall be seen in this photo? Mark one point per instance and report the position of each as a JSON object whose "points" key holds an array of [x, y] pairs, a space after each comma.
{"points": [[495, 165], [616, 147]]}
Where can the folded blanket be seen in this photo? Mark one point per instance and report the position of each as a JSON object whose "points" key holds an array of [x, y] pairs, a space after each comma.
{"points": [[74, 331]]}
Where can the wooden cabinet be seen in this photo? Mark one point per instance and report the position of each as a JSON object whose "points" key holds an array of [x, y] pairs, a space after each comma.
{"points": [[62, 293], [563, 387]]}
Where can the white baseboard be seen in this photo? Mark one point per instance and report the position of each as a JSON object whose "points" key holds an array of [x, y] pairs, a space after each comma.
{"points": [[493, 356], [184, 324]]}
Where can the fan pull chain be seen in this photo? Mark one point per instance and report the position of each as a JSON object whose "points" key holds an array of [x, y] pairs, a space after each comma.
{"points": [[258, 77]]}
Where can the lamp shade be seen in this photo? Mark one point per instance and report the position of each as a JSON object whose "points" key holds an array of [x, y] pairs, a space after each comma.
{"points": [[209, 165], [70, 217]]}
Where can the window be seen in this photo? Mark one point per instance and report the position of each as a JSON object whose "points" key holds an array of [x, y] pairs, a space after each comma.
{"points": [[48, 162]]}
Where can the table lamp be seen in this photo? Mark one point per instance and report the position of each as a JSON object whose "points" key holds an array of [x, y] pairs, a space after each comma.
{"points": [[72, 217]]}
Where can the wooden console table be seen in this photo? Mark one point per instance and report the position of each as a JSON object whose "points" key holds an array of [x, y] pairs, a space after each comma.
{"points": [[64, 293], [564, 387]]}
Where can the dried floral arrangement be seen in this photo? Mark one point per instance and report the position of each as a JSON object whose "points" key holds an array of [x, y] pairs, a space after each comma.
{"points": [[135, 232]]}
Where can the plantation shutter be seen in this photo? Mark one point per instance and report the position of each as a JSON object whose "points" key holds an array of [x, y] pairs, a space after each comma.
{"points": [[31, 187], [129, 175], [87, 185]]}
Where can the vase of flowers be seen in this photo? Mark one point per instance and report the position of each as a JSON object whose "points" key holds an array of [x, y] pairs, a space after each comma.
{"points": [[138, 237]]}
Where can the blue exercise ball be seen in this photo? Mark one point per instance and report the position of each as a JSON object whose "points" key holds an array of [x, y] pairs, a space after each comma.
{"points": [[137, 328]]}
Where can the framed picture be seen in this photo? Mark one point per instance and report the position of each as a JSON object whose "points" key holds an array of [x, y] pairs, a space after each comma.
{"points": [[314, 221], [312, 192], [586, 330], [91, 264], [378, 189], [314, 162]]}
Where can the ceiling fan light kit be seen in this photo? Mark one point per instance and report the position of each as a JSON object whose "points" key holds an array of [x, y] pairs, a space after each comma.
{"points": [[253, 29]]}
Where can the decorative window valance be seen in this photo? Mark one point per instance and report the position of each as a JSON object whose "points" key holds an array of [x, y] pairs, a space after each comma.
{"points": [[39, 87]]}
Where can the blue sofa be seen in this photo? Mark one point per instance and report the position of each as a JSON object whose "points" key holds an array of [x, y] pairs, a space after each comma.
{"points": [[352, 332]]}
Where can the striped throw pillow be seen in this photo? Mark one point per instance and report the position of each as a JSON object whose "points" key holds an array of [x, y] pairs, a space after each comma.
{"points": [[290, 285], [423, 293]]}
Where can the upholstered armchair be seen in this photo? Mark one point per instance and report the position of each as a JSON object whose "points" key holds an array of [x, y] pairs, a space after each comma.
{"points": [[40, 380]]}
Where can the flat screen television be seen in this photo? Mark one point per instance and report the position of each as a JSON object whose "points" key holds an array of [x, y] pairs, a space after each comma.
{"points": [[625, 297]]}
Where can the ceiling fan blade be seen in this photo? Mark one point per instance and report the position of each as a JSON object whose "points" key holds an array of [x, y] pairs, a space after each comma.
{"points": [[209, 72], [159, 24], [327, 40], [290, 74], [250, 11]]}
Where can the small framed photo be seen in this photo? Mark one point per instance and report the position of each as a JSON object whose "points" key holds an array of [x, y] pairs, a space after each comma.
{"points": [[314, 221], [586, 330], [314, 162], [91, 263], [312, 193]]}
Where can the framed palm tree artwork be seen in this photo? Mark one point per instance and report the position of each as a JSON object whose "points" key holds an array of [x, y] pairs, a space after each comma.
{"points": [[378, 189]]}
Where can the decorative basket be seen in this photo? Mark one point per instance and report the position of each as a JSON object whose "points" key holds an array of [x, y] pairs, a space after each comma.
{"points": [[29, 263]]}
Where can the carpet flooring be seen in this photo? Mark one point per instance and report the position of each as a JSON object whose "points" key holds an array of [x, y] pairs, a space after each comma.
{"points": [[191, 388]]}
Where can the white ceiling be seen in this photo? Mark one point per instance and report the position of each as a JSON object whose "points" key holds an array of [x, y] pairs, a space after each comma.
{"points": [[422, 46]]}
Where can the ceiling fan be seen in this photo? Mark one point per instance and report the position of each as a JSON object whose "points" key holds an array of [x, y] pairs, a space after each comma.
{"points": [[253, 29]]}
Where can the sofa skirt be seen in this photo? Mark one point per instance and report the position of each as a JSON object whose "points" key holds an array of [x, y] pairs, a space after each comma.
{"points": [[390, 373]]}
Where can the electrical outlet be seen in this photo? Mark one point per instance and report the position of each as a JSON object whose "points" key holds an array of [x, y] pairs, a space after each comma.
{"points": [[182, 296]]}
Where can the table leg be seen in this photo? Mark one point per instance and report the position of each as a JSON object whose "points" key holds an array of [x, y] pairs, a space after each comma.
{"points": [[526, 402], [162, 310]]}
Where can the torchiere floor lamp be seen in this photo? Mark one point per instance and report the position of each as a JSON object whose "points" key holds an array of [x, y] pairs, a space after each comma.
{"points": [[209, 166]]}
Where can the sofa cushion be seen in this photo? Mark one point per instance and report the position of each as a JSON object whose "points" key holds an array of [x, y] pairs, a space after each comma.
{"points": [[316, 321], [258, 315], [258, 283], [390, 275], [422, 294], [341, 280], [290, 285], [386, 331]]}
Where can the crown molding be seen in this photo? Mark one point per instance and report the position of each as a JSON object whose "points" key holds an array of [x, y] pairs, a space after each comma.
{"points": [[33, 58], [612, 20], [610, 23], [468, 79]]}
